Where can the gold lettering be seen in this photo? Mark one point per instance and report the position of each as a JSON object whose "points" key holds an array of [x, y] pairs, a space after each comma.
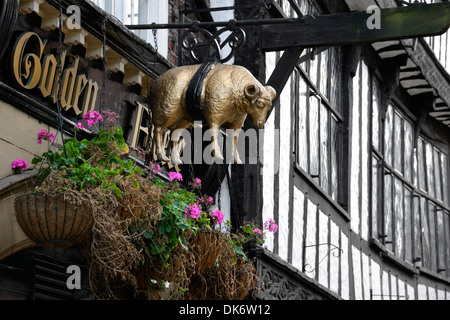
{"points": [[90, 96], [29, 72], [49, 65], [56, 85], [137, 127], [80, 84], [68, 84], [27, 66]]}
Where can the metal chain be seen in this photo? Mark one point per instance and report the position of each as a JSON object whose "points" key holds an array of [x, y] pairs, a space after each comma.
{"points": [[102, 104], [58, 85], [155, 40]]}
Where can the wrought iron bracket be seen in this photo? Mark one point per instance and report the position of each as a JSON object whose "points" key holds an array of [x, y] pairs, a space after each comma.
{"points": [[337, 252]]}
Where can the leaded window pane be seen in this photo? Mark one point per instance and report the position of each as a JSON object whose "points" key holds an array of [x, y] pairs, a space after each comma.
{"points": [[303, 125], [375, 195], [441, 240], [376, 116], [398, 139], [408, 226], [388, 134], [334, 157], [437, 175], [429, 169], [421, 164], [314, 105], [398, 216], [408, 154], [432, 226], [446, 191], [425, 237], [417, 228], [388, 210], [324, 145]]}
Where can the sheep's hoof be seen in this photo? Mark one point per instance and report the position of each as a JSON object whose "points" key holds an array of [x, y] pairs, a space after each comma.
{"points": [[163, 157], [177, 161]]}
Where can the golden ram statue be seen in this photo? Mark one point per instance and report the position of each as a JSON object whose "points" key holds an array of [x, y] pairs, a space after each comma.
{"points": [[228, 94]]}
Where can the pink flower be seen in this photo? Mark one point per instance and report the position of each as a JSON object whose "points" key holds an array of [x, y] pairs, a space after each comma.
{"points": [[257, 231], [193, 211], [79, 125], [175, 176], [196, 183], [271, 226], [92, 117], [210, 199], [156, 168], [217, 215], [19, 165], [45, 135]]}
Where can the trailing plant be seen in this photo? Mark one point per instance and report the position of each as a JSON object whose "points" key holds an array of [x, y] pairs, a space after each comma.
{"points": [[145, 231], [86, 164]]}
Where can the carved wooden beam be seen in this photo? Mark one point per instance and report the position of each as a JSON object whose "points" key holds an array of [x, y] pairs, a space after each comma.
{"points": [[350, 28]]}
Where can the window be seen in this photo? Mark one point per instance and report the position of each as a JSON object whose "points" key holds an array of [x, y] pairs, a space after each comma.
{"points": [[141, 12], [319, 120], [410, 205]]}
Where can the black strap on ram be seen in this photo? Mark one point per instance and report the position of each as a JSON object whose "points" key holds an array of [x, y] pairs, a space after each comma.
{"points": [[194, 91]]}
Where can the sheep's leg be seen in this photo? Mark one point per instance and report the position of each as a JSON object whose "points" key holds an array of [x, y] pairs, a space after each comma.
{"points": [[158, 145], [175, 154], [236, 158], [215, 149]]}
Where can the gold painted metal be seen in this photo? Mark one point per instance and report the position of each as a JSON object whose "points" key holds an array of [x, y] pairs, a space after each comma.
{"points": [[30, 72], [230, 93]]}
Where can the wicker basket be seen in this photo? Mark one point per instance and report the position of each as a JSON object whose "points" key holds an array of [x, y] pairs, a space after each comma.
{"points": [[51, 221], [206, 248]]}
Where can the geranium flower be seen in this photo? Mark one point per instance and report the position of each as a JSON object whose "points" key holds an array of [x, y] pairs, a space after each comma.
{"points": [[156, 168], [45, 135], [175, 176], [193, 211], [217, 215], [19, 165], [92, 117], [271, 226], [257, 231], [79, 125]]}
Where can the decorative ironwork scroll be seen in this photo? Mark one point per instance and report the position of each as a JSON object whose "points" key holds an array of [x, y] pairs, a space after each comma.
{"points": [[335, 250], [202, 45]]}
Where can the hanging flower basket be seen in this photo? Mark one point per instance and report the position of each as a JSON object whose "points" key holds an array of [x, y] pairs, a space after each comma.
{"points": [[206, 246], [51, 220]]}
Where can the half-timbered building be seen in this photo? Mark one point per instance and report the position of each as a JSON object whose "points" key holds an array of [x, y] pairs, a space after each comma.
{"points": [[352, 163]]}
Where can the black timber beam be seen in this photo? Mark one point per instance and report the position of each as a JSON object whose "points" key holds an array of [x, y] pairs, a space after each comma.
{"points": [[351, 28]]}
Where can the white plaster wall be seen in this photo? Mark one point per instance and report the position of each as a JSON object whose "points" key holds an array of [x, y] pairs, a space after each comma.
{"points": [[385, 286], [375, 280], [357, 273], [422, 292], [334, 261], [310, 242], [365, 276], [297, 251], [345, 273], [365, 153], [354, 157], [269, 159], [394, 291], [410, 291], [324, 255], [284, 176]]}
